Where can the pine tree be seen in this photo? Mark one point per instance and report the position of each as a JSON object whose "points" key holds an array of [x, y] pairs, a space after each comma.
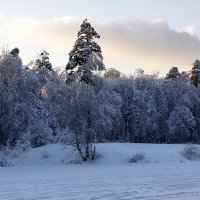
{"points": [[43, 61], [195, 73], [173, 73], [85, 56]]}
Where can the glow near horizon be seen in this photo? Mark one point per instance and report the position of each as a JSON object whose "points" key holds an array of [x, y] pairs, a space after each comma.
{"points": [[181, 15]]}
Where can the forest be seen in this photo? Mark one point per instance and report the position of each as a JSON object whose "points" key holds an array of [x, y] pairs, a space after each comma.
{"points": [[90, 103]]}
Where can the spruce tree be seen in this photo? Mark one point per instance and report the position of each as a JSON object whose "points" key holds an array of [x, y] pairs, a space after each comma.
{"points": [[173, 73], [43, 61], [195, 73], [85, 56]]}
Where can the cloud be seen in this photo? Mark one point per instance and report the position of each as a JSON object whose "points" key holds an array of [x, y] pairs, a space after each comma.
{"points": [[151, 44], [126, 45], [190, 28]]}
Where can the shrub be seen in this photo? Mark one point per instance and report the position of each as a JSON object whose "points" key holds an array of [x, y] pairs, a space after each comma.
{"points": [[45, 155], [22, 145], [138, 158], [191, 152], [4, 161]]}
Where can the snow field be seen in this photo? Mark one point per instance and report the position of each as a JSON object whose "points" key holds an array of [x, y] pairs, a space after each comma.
{"points": [[167, 175]]}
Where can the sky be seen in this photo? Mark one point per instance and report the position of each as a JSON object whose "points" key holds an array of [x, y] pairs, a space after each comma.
{"points": [[150, 34]]}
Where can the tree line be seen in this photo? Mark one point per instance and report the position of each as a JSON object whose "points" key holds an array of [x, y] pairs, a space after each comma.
{"points": [[82, 105]]}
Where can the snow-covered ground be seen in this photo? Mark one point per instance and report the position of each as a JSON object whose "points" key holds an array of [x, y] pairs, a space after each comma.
{"points": [[41, 174]]}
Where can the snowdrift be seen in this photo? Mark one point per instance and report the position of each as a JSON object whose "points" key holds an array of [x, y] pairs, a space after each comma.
{"points": [[107, 154]]}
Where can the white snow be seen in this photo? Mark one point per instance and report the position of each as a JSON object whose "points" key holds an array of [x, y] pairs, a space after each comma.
{"points": [[166, 175]]}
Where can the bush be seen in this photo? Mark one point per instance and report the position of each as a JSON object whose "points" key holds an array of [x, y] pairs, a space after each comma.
{"points": [[12, 151], [45, 155], [22, 145], [4, 161], [191, 152], [138, 158]]}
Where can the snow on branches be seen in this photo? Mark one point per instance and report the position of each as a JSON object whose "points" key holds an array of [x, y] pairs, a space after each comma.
{"points": [[85, 56]]}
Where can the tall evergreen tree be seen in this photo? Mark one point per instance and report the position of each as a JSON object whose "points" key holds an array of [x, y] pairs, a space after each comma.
{"points": [[195, 73], [85, 56]]}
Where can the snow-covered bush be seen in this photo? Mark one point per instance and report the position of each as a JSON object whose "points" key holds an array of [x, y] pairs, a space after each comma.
{"points": [[191, 152], [4, 161], [10, 151], [45, 155], [22, 145], [138, 158]]}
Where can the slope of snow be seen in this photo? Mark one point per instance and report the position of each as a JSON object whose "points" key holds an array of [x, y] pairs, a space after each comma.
{"points": [[53, 154], [167, 175], [119, 153], [112, 153]]}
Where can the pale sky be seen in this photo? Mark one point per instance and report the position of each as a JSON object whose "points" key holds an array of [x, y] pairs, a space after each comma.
{"points": [[150, 34]]}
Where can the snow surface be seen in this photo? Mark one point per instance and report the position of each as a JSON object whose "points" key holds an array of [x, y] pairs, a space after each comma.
{"points": [[41, 174]]}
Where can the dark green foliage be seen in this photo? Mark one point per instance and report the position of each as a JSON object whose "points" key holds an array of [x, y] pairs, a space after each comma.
{"points": [[43, 61], [85, 56], [173, 73], [195, 73]]}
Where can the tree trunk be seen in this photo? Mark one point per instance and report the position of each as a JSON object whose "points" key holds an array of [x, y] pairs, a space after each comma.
{"points": [[79, 148], [93, 154]]}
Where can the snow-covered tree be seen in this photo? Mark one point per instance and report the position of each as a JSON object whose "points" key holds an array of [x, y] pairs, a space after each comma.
{"points": [[14, 52], [185, 76], [181, 124], [173, 74], [112, 73], [22, 110], [195, 73], [85, 56], [107, 121], [190, 100], [43, 61], [139, 72], [157, 112], [82, 110]]}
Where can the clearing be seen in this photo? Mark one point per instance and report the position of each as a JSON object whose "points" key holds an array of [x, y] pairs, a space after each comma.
{"points": [[40, 174]]}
